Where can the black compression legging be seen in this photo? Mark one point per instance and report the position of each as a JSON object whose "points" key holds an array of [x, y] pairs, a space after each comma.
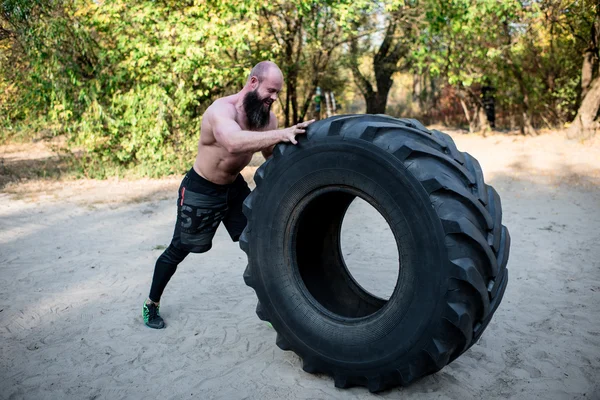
{"points": [[201, 207], [166, 265]]}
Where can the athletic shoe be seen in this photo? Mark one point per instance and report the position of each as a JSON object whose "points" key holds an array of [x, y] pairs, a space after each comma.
{"points": [[151, 316]]}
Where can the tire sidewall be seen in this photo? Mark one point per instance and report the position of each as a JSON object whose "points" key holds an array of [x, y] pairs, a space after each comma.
{"points": [[410, 319]]}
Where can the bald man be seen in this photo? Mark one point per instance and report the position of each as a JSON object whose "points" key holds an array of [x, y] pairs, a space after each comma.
{"points": [[213, 190]]}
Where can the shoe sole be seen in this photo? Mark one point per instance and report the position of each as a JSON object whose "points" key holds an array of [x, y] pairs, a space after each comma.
{"points": [[155, 327]]}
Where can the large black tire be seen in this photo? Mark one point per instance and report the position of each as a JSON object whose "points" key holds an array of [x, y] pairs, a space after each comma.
{"points": [[447, 223]]}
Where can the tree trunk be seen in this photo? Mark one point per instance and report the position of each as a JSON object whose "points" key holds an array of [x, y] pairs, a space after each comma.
{"points": [[475, 111], [307, 101], [586, 124], [467, 114], [416, 89], [474, 117], [385, 64], [587, 70], [489, 104], [484, 123], [433, 96], [286, 109], [376, 102], [384, 69], [291, 82], [294, 97], [526, 125]]}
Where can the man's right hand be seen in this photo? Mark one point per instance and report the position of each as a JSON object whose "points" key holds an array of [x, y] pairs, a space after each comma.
{"points": [[289, 134]]}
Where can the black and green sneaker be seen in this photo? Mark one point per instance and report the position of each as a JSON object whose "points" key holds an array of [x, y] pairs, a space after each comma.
{"points": [[151, 316]]}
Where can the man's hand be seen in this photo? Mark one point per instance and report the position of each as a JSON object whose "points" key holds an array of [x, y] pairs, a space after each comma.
{"points": [[289, 134]]}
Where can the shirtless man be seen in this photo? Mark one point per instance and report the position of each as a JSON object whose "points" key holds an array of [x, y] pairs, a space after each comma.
{"points": [[213, 190]]}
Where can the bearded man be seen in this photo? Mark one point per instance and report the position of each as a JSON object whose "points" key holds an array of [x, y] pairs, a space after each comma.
{"points": [[213, 190]]}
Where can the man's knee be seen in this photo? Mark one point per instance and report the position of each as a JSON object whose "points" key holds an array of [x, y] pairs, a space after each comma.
{"points": [[173, 255], [196, 243], [201, 249]]}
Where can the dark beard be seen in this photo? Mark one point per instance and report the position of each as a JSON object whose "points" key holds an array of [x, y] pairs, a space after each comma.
{"points": [[257, 113]]}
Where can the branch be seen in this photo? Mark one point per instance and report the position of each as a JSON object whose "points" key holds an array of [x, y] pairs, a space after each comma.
{"points": [[350, 39], [573, 31], [387, 42], [399, 51], [298, 27], [5, 34], [266, 15], [307, 99], [363, 83]]}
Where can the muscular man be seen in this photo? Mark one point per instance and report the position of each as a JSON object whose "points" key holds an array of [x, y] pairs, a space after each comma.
{"points": [[213, 190]]}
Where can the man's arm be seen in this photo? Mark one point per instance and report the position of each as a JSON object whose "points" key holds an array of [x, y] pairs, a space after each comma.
{"points": [[235, 140], [268, 152]]}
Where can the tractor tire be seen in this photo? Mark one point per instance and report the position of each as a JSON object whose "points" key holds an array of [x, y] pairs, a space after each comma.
{"points": [[447, 223]]}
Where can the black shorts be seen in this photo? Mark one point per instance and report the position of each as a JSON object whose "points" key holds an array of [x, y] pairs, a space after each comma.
{"points": [[202, 206]]}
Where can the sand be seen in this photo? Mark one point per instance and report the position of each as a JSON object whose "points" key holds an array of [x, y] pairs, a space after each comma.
{"points": [[76, 262]]}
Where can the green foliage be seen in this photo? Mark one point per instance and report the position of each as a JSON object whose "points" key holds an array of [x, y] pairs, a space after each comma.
{"points": [[127, 82], [499, 43], [305, 38]]}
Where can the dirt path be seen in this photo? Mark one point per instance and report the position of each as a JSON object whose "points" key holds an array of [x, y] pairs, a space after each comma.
{"points": [[76, 261]]}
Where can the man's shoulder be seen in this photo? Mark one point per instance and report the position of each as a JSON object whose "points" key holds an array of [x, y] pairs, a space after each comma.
{"points": [[222, 108]]}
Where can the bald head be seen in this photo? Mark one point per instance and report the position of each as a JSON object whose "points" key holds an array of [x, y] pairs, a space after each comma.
{"points": [[261, 91], [264, 70]]}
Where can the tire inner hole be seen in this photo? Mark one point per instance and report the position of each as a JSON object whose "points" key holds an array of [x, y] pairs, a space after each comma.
{"points": [[345, 251]]}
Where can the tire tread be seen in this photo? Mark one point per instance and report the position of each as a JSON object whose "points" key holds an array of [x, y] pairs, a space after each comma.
{"points": [[473, 224]]}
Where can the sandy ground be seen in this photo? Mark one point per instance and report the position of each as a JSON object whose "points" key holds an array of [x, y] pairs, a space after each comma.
{"points": [[76, 262]]}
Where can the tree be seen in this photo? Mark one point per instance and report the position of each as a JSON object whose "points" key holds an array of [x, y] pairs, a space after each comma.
{"points": [[586, 122], [402, 22], [306, 37], [476, 46], [127, 82], [48, 54], [516, 70]]}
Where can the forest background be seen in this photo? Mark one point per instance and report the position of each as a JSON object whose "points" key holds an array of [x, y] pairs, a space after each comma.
{"points": [[121, 86]]}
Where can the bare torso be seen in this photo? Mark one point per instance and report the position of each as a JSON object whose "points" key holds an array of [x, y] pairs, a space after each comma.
{"points": [[213, 161]]}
